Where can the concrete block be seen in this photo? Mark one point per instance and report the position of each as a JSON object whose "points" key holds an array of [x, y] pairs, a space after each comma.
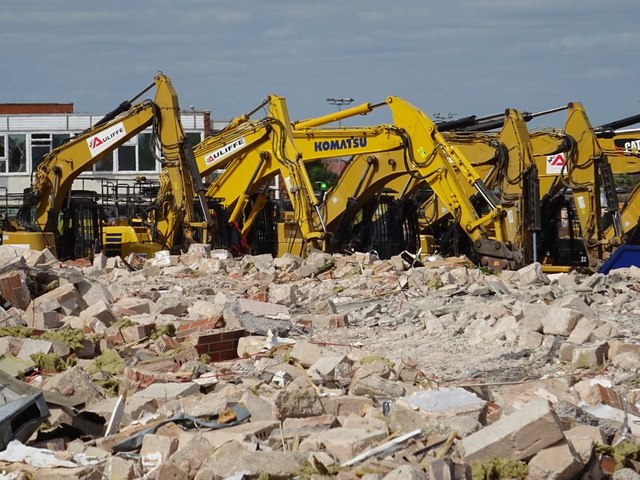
{"points": [[606, 331], [283, 293], [131, 306], [187, 460], [532, 275], [229, 459], [121, 469], [558, 462], [250, 346], [565, 353], [376, 386], [517, 436], [241, 433], [583, 438], [584, 331], [202, 250], [31, 346], [64, 299], [342, 443], [298, 399], [369, 423], [100, 261], [346, 404], [412, 472], [304, 427], [306, 353], [328, 320], [134, 408], [259, 407], [171, 304], [261, 308], [100, 310], [589, 356], [43, 320], [560, 321], [156, 449], [330, 367], [529, 339], [448, 402], [168, 391]]}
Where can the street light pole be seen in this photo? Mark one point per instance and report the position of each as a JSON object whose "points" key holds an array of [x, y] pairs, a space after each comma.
{"points": [[339, 102]]}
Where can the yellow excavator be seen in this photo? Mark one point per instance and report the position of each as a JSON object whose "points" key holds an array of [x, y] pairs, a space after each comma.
{"points": [[622, 148], [578, 198], [251, 154], [425, 153], [49, 219], [178, 214]]}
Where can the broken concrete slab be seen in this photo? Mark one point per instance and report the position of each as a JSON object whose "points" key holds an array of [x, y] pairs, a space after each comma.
{"points": [[557, 462], [232, 458], [342, 443], [298, 399], [167, 391], [519, 435], [447, 402]]}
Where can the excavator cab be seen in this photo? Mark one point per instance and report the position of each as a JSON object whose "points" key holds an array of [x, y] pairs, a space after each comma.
{"points": [[80, 226]]}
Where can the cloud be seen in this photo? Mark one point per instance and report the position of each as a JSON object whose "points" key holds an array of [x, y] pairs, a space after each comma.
{"points": [[467, 56]]}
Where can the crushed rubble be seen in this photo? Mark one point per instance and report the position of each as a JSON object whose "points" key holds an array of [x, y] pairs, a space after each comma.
{"points": [[206, 366]]}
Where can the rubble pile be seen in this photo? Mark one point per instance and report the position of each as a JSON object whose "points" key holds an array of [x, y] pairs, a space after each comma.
{"points": [[206, 366]]}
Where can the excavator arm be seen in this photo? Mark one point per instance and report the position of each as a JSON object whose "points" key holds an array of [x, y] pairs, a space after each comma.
{"points": [[54, 176], [451, 176], [264, 150]]}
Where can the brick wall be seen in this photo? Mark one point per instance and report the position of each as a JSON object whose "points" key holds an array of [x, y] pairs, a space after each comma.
{"points": [[219, 346], [35, 108], [13, 289]]}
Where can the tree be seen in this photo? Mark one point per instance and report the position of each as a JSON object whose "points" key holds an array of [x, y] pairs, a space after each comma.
{"points": [[319, 175]]}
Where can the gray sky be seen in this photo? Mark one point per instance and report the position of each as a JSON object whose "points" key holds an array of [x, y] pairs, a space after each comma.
{"points": [[448, 56]]}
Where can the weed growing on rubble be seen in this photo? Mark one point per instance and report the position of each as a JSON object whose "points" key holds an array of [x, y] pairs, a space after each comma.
{"points": [[17, 331], [486, 270], [124, 322], [109, 361], [72, 337], [625, 454], [497, 468], [48, 362], [166, 329]]}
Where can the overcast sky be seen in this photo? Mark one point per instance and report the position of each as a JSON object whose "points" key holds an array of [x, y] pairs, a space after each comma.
{"points": [[448, 56]]}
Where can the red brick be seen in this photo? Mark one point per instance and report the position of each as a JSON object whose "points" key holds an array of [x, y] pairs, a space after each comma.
{"points": [[35, 108], [14, 290], [16, 280], [228, 345], [210, 338], [233, 334], [228, 355], [200, 323], [202, 349]]}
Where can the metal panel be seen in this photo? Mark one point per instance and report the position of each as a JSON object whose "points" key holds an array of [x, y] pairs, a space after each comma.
{"points": [[37, 123], [79, 122], [4, 124]]}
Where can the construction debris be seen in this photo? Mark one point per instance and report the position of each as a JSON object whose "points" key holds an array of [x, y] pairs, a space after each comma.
{"points": [[311, 368]]}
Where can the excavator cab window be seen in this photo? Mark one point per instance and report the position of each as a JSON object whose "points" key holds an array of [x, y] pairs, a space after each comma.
{"points": [[80, 226]]}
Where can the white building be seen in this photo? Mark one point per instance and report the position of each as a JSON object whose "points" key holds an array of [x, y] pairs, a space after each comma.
{"points": [[25, 138]]}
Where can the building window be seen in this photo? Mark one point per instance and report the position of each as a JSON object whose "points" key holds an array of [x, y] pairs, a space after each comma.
{"points": [[127, 158], [41, 145], [16, 154], [194, 138], [105, 164], [146, 158]]}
